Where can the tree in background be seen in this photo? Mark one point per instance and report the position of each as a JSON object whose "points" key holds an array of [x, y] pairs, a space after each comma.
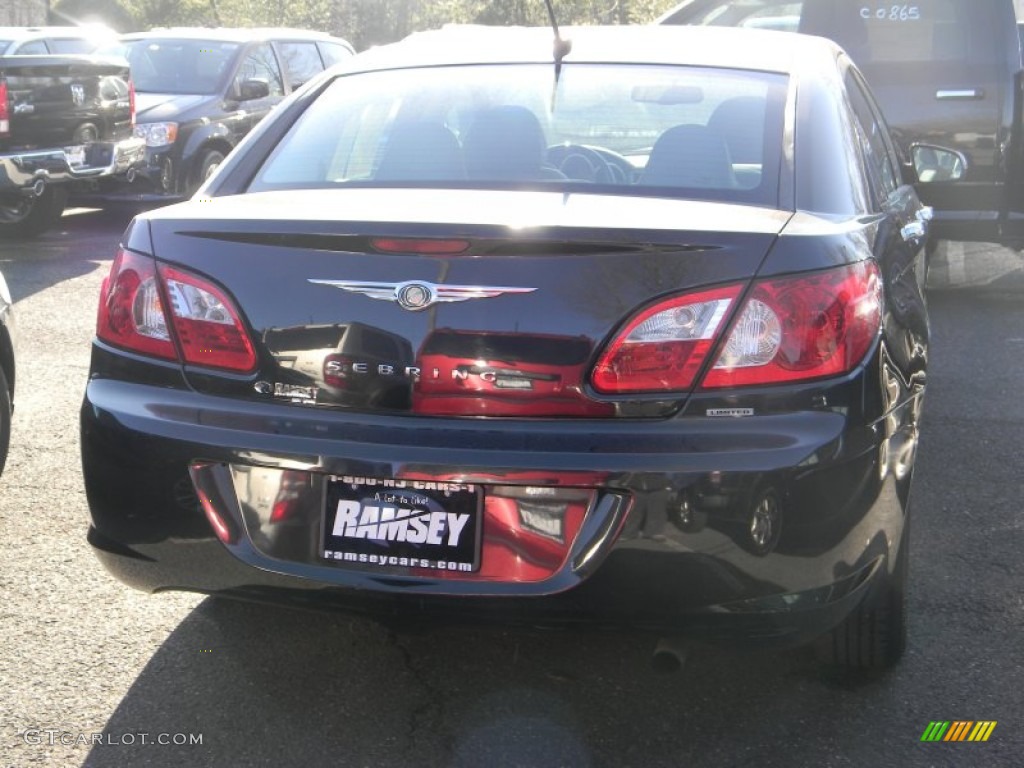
{"points": [[429, 14], [361, 22], [112, 13]]}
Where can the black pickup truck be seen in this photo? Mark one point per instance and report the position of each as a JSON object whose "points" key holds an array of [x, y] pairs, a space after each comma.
{"points": [[64, 121], [945, 72]]}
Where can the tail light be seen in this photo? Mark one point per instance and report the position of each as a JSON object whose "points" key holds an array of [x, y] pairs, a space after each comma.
{"points": [[131, 314], [207, 324], [131, 102], [141, 306], [804, 327], [664, 347], [5, 111], [788, 329], [420, 245]]}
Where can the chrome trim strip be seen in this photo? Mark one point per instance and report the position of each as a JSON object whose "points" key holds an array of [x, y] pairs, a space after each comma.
{"points": [[965, 93]]}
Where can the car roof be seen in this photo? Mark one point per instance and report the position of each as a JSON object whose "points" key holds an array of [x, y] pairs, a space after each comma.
{"points": [[751, 49], [18, 33], [233, 34]]}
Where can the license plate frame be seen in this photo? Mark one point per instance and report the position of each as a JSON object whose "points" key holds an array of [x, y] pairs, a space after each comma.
{"points": [[398, 523]]}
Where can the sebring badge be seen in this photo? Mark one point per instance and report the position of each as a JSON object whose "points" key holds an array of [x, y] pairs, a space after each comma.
{"points": [[415, 295]]}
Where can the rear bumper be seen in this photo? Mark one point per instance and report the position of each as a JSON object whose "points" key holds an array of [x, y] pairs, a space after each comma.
{"points": [[665, 546], [782, 620], [159, 178], [23, 170]]}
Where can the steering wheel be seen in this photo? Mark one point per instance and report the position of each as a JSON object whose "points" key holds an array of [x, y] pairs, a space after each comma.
{"points": [[581, 163]]}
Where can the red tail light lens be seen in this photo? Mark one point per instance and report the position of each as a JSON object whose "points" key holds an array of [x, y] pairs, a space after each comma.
{"points": [[208, 326], [133, 315], [131, 101], [664, 347], [420, 245], [788, 329], [803, 327], [5, 110]]}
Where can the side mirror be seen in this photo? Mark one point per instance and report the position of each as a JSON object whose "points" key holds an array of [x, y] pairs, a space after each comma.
{"points": [[248, 90], [933, 163]]}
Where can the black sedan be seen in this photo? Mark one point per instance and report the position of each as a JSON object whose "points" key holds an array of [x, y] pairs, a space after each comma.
{"points": [[629, 336]]}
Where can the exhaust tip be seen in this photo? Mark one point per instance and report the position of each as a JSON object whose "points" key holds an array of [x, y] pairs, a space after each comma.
{"points": [[38, 187], [669, 656]]}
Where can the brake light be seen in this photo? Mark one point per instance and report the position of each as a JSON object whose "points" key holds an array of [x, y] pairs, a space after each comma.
{"points": [[208, 327], [788, 329], [5, 110], [803, 327], [664, 347], [133, 315], [131, 102], [420, 245], [131, 312]]}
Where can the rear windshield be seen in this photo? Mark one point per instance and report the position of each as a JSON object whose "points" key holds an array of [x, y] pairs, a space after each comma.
{"points": [[687, 132], [177, 66]]}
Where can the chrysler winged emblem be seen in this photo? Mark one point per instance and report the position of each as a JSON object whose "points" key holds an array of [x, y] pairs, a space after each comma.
{"points": [[415, 295]]}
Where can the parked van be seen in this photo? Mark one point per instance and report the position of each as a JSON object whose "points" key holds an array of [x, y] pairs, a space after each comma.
{"points": [[199, 91], [946, 72]]}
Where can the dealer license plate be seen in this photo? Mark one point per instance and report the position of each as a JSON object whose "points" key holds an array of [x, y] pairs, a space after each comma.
{"points": [[402, 524]]}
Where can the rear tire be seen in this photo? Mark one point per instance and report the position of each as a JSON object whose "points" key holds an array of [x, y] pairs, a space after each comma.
{"points": [[86, 133], [31, 216], [873, 637], [5, 419]]}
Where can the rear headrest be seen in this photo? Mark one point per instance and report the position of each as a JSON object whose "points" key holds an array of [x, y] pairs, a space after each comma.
{"points": [[690, 156], [504, 143]]}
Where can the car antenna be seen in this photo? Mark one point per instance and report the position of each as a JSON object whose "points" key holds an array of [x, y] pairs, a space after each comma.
{"points": [[561, 48]]}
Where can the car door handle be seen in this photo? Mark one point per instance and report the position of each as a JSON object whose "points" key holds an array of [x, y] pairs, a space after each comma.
{"points": [[960, 94]]}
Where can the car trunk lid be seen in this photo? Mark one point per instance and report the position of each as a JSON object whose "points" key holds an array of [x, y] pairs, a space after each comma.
{"points": [[451, 302]]}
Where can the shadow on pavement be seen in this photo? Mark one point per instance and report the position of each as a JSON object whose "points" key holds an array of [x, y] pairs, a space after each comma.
{"points": [[84, 239], [267, 686]]}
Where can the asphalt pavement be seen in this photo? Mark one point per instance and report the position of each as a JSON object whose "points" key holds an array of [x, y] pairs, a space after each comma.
{"points": [[95, 674]]}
